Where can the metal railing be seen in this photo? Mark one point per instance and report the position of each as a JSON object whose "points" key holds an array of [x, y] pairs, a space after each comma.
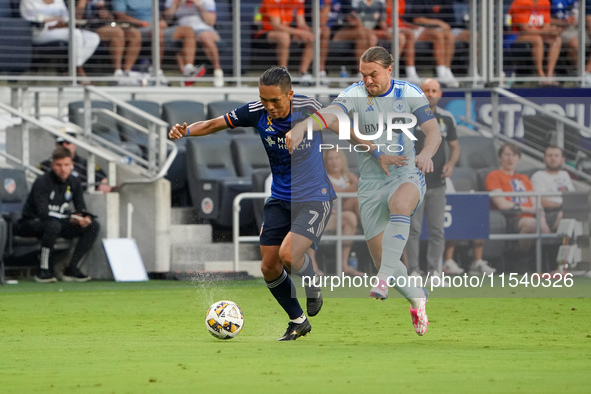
{"points": [[338, 237], [486, 50]]}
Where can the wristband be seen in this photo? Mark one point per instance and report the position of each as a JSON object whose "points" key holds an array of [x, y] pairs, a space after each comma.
{"points": [[188, 131], [376, 153], [144, 24]]}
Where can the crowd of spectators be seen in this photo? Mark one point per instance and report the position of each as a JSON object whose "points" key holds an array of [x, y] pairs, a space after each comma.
{"points": [[548, 27]]}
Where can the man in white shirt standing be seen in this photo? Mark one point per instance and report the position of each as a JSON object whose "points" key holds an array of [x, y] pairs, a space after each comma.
{"points": [[552, 179]]}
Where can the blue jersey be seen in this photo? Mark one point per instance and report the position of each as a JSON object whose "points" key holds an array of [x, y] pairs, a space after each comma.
{"points": [[297, 177]]}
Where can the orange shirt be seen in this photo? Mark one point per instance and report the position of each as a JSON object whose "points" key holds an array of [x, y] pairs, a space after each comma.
{"points": [[524, 12], [401, 11], [497, 179], [282, 9]]}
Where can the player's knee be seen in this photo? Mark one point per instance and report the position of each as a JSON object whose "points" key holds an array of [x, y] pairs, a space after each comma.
{"points": [[285, 254], [270, 270]]}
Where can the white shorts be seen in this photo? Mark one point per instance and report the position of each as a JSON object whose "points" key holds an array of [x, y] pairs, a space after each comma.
{"points": [[374, 196]]}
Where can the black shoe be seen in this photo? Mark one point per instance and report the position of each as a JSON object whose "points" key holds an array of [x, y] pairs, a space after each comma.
{"points": [[45, 276], [294, 331], [75, 275], [313, 300]]}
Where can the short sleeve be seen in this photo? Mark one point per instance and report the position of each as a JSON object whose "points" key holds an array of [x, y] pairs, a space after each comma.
{"points": [[493, 182], [345, 101], [241, 117]]}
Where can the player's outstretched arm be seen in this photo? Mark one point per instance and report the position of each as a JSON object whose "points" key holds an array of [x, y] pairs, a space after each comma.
{"points": [[197, 129], [295, 136], [432, 141]]}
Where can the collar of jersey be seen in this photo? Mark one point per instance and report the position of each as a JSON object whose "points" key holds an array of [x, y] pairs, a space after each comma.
{"points": [[389, 90]]}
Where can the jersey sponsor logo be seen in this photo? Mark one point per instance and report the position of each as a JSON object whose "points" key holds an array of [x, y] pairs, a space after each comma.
{"points": [[270, 141], [233, 115]]}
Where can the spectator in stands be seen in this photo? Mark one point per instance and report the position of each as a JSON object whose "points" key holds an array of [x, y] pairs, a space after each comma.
{"points": [[46, 215], [139, 13], [54, 17], [278, 28], [565, 15], [199, 15], [552, 179], [520, 211], [80, 165], [531, 21], [125, 42], [437, 23], [346, 25], [337, 169], [406, 40]]}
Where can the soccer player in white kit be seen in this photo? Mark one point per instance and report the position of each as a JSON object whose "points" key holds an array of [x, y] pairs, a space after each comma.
{"points": [[388, 198]]}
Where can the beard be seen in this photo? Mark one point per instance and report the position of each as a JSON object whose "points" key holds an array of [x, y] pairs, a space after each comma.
{"points": [[554, 168]]}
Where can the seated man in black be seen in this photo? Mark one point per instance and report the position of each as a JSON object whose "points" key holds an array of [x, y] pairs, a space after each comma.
{"points": [[46, 215], [80, 169]]}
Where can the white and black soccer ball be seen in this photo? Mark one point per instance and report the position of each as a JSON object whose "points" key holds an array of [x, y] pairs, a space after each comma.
{"points": [[224, 320]]}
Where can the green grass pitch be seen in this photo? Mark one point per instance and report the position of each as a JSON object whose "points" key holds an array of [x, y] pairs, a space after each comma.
{"points": [[105, 337]]}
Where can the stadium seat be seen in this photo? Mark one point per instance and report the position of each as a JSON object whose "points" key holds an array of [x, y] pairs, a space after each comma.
{"points": [[20, 252], [540, 131], [219, 108], [477, 152], [174, 112], [130, 134], [213, 182], [464, 179], [249, 155], [102, 125]]}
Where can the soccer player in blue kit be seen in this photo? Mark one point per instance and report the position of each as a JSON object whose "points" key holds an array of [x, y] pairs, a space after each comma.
{"points": [[301, 194], [387, 199]]}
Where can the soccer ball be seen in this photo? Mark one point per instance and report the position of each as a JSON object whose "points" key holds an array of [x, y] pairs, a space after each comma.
{"points": [[224, 320]]}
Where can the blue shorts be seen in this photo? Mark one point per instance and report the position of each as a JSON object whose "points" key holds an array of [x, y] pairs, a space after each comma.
{"points": [[307, 219]]}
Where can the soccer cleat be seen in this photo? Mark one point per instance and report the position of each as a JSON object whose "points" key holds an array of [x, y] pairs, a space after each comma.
{"points": [[45, 276], [450, 267], [480, 267], [419, 315], [294, 331], [306, 79], [218, 78], [380, 292], [313, 300], [75, 275]]}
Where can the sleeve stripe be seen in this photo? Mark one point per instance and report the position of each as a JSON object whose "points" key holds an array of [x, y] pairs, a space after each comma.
{"points": [[228, 121], [342, 106]]}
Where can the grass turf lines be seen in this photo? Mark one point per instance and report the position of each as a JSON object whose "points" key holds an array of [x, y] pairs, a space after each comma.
{"points": [[151, 337]]}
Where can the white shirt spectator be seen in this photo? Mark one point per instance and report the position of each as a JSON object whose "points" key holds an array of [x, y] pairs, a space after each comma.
{"points": [[188, 14], [543, 181]]}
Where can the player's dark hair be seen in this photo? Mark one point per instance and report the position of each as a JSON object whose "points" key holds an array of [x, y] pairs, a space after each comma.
{"points": [[514, 148], [555, 147], [60, 153], [378, 55], [276, 76]]}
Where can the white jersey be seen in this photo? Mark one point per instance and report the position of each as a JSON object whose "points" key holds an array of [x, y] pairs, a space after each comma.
{"points": [[402, 97]]}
